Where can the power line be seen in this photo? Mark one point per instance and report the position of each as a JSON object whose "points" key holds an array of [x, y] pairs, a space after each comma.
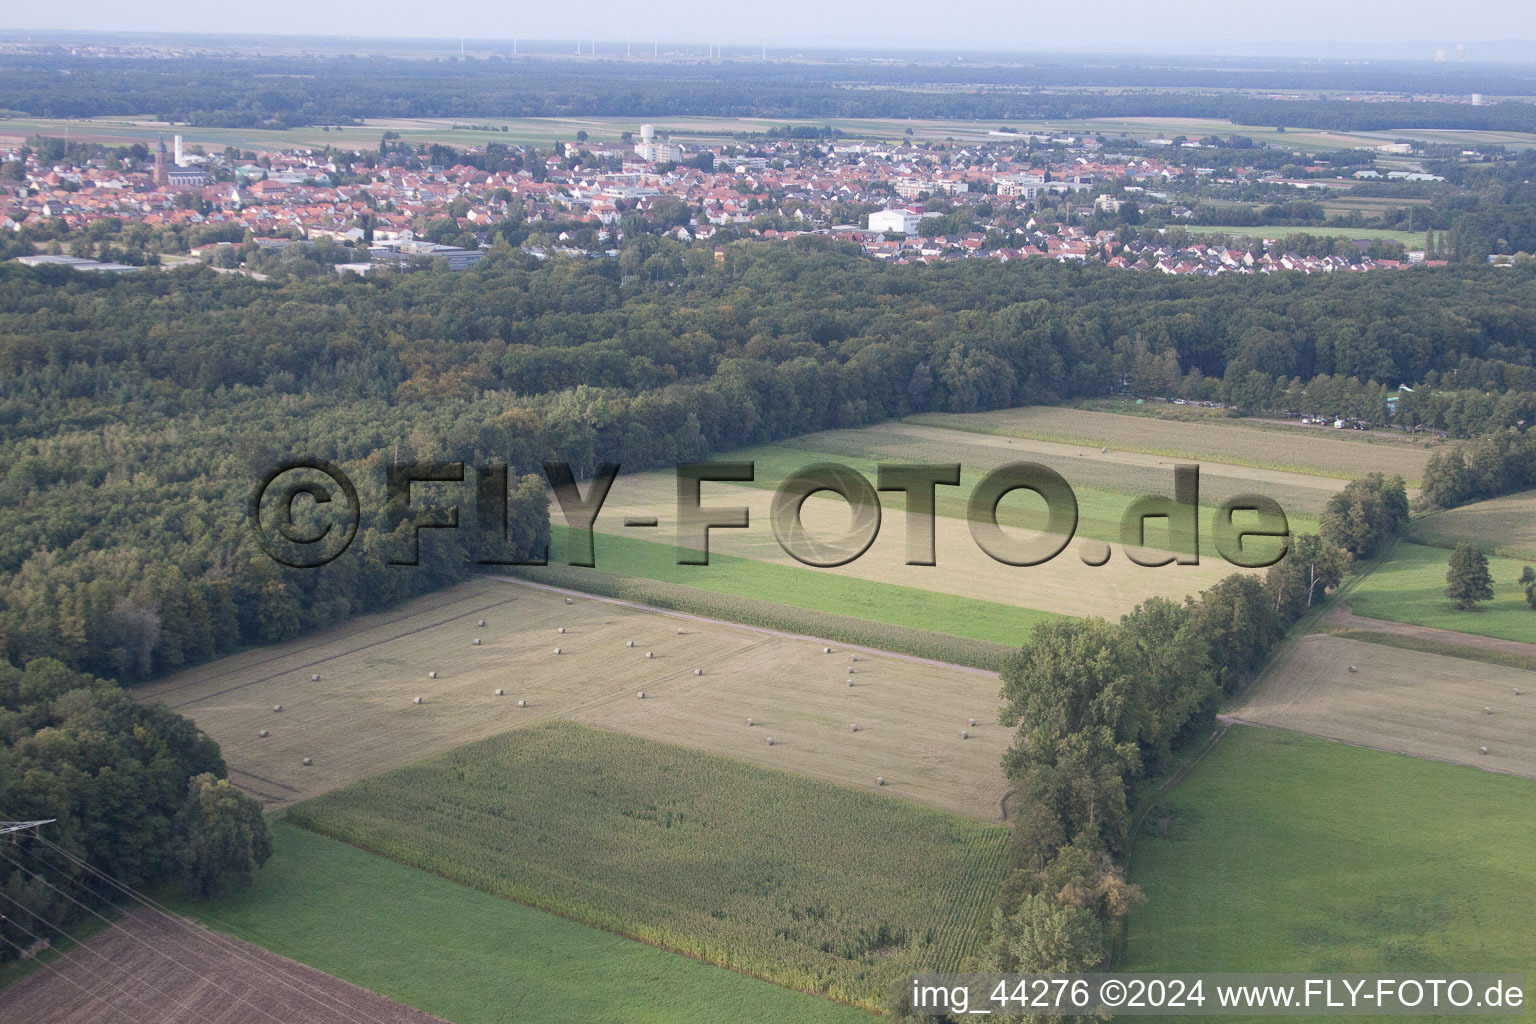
{"points": [[88, 993], [309, 990], [250, 959], [147, 945], [223, 942], [114, 924], [75, 945]]}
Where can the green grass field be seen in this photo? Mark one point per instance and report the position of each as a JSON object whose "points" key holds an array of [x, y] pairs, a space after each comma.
{"points": [[1286, 853], [789, 618], [471, 957], [818, 887], [1410, 587], [815, 590]]}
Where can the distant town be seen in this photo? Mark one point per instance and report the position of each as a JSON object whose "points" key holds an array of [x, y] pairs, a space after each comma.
{"points": [[1015, 196]]}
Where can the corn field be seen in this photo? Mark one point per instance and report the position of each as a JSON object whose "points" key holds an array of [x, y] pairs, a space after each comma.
{"points": [[811, 885]]}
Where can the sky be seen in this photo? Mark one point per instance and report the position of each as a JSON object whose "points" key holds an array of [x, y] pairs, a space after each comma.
{"points": [[1174, 26]]}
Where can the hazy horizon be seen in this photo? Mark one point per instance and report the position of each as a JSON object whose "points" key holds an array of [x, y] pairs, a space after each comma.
{"points": [[1406, 29]]}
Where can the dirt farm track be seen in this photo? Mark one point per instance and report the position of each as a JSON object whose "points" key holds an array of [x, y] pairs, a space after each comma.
{"points": [[150, 968]]}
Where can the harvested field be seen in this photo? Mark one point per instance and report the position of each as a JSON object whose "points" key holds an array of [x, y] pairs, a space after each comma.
{"points": [[1121, 470], [1104, 484], [1500, 526], [1298, 449], [903, 620], [150, 968], [1064, 585], [1427, 705], [822, 888], [360, 719]]}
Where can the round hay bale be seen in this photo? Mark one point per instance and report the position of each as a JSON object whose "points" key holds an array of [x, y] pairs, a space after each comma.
{"points": [[500, 692], [826, 650], [1353, 669], [481, 623], [263, 734], [562, 629], [879, 780], [559, 650], [569, 601], [698, 671], [850, 670], [522, 703], [415, 700], [679, 632], [277, 707], [1487, 711], [850, 682], [631, 643], [1517, 691], [650, 654], [770, 741], [308, 761], [314, 678], [642, 695], [964, 735], [973, 723], [853, 727], [853, 657], [1483, 749], [431, 675], [750, 722], [477, 641]]}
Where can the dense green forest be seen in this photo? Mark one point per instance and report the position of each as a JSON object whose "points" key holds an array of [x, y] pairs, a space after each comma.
{"points": [[138, 412], [224, 91], [134, 790]]}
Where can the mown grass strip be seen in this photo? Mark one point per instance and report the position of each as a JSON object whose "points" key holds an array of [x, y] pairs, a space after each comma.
{"points": [[908, 620]]}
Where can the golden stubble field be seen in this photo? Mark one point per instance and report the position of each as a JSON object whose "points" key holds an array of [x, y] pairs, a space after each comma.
{"points": [[1303, 449], [1504, 525], [360, 719], [1427, 705], [1064, 584], [1087, 466]]}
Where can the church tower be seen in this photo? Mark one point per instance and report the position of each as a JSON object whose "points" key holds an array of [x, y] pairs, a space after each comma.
{"points": [[160, 161]]}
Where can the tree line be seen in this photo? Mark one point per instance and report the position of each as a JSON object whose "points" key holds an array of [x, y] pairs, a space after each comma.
{"points": [[137, 412], [1498, 463], [288, 91], [135, 790], [1102, 707]]}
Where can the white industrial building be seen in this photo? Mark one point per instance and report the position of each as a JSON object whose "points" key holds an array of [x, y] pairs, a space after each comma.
{"points": [[904, 221]]}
